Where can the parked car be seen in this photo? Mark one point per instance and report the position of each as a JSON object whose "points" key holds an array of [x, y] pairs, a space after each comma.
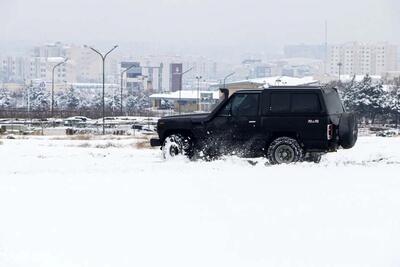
{"points": [[388, 133], [285, 124]]}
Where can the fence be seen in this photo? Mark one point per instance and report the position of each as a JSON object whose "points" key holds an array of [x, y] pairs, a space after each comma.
{"points": [[20, 113]]}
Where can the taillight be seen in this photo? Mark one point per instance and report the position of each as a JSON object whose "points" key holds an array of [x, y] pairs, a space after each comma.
{"points": [[329, 132]]}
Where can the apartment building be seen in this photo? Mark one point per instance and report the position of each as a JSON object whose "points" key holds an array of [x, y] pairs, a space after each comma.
{"points": [[361, 59], [41, 68], [13, 69]]}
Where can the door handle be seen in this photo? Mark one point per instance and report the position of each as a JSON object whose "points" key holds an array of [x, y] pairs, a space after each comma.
{"points": [[252, 122]]}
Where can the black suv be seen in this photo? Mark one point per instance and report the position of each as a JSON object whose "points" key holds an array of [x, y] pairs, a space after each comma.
{"points": [[286, 124]]}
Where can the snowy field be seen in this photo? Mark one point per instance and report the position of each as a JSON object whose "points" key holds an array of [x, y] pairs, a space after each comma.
{"points": [[97, 203]]}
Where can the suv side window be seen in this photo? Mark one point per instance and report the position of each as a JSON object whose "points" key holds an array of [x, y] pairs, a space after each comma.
{"points": [[280, 102], [305, 103], [245, 105]]}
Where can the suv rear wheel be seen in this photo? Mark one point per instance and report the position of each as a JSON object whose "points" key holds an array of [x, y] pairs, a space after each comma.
{"points": [[175, 145], [284, 150]]}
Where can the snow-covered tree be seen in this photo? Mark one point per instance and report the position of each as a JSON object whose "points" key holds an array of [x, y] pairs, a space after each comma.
{"points": [[394, 99], [72, 99], [131, 103], [167, 104], [69, 100], [39, 98], [97, 101], [367, 98], [5, 99]]}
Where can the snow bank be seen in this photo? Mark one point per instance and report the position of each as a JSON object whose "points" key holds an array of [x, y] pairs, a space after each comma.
{"points": [[65, 204]]}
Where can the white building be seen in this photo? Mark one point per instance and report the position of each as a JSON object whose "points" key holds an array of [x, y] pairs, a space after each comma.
{"points": [[187, 100], [361, 59], [42, 68], [13, 69]]}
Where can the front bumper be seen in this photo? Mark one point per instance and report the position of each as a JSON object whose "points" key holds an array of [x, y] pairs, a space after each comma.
{"points": [[155, 142]]}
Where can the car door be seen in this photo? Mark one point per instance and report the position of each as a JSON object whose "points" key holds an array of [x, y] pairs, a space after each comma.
{"points": [[245, 117], [307, 108], [219, 130], [236, 123], [296, 113]]}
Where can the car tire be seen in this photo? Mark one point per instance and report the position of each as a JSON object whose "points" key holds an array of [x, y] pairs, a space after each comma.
{"points": [[176, 145], [284, 150], [348, 130]]}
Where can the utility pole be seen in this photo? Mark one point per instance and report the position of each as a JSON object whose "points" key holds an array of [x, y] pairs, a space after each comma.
{"points": [[180, 90], [52, 85], [122, 83], [227, 76], [103, 58], [198, 78]]}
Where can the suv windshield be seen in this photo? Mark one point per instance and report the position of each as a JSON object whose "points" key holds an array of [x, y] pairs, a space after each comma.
{"points": [[333, 103]]}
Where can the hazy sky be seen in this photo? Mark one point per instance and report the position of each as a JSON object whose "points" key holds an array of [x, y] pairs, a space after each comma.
{"points": [[242, 23]]}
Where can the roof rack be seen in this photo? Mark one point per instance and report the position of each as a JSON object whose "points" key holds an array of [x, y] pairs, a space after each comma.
{"points": [[294, 87]]}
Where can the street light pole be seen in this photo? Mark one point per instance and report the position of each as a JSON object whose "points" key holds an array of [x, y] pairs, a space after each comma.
{"points": [[103, 58], [122, 77], [52, 85], [180, 89], [227, 76], [198, 92]]}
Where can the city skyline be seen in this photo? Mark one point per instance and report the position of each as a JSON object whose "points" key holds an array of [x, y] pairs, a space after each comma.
{"points": [[202, 26]]}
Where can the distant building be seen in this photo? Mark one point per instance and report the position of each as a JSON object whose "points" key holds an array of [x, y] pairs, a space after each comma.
{"points": [[133, 76], [14, 69], [50, 50], [305, 51], [255, 68], [266, 82], [187, 99], [176, 70], [297, 70], [263, 70], [41, 68], [361, 59]]}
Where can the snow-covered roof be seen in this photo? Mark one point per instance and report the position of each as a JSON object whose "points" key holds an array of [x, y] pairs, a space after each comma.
{"points": [[278, 80], [55, 59], [93, 85], [185, 94], [286, 80]]}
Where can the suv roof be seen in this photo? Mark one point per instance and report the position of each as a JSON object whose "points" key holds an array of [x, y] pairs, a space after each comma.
{"points": [[295, 87]]}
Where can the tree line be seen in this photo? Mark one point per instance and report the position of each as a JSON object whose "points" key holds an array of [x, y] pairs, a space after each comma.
{"points": [[38, 100], [373, 101]]}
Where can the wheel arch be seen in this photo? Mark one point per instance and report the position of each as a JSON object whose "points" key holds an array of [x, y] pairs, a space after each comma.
{"points": [[275, 135], [184, 132]]}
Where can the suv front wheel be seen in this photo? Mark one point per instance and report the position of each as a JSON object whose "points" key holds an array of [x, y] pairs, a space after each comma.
{"points": [[284, 150], [175, 145]]}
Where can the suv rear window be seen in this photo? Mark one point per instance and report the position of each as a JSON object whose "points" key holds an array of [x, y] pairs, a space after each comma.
{"points": [[280, 102], [333, 103], [305, 103], [295, 102]]}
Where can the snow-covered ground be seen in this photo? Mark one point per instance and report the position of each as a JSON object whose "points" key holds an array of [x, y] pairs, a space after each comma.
{"points": [[108, 203]]}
